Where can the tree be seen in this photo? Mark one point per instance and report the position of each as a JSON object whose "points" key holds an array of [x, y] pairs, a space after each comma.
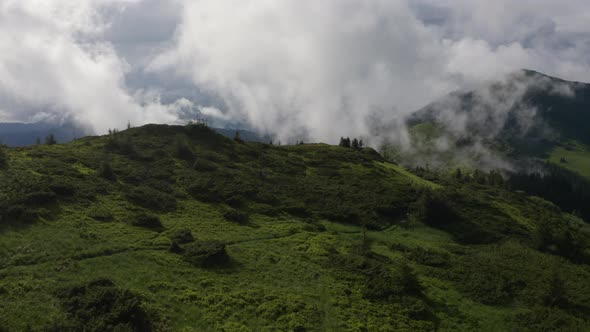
{"points": [[355, 144], [458, 174], [237, 137], [183, 150], [3, 157], [555, 295], [409, 280], [106, 171], [50, 139], [361, 145], [344, 142]]}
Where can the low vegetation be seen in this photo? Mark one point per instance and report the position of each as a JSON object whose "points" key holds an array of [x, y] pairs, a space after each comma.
{"points": [[171, 228]]}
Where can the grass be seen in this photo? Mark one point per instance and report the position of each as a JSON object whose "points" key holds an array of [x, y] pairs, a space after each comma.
{"points": [[574, 157], [295, 265]]}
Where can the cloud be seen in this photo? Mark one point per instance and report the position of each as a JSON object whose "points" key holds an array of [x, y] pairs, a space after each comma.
{"points": [[316, 70], [56, 65], [343, 67], [308, 68]]}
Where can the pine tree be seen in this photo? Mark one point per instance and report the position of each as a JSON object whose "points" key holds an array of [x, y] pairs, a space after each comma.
{"points": [[355, 144], [50, 139], [345, 142]]}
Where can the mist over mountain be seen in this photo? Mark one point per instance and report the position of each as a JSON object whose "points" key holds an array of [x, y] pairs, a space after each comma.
{"points": [[499, 124]]}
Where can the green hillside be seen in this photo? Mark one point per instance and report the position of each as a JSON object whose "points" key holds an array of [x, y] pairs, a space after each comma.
{"points": [[170, 228], [575, 157]]}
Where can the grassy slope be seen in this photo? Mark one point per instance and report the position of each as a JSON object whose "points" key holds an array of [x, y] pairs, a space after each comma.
{"points": [[306, 204], [577, 158]]}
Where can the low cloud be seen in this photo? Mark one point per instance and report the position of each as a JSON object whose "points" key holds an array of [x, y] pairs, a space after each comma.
{"points": [[331, 68], [311, 70]]}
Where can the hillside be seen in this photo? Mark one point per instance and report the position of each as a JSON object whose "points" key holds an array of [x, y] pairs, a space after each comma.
{"points": [[171, 228], [526, 115], [532, 127]]}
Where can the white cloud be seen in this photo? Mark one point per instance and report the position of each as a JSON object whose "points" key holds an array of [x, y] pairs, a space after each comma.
{"points": [[330, 68], [290, 67], [53, 61]]}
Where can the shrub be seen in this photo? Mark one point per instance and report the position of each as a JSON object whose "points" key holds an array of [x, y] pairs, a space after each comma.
{"points": [[236, 216], [206, 191], [63, 186], [428, 257], [102, 306], [182, 150], [383, 283], [101, 214], [548, 319], [204, 165], [206, 253], [182, 236], [432, 209], [19, 213], [40, 197], [116, 142], [147, 221], [106, 171], [3, 157], [175, 248], [152, 199]]}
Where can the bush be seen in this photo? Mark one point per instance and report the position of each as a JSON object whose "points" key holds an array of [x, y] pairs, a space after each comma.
{"points": [[428, 257], [101, 214], [206, 253], [40, 197], [63, 186], [236, 216], [151, 199], [182, 236], [432, 209], [106, 171], [204, 165], [175, 248], [102, 306], [548, 319], [3, 157], [147, 221], [182, 150], [19, 213], [120, 144]]}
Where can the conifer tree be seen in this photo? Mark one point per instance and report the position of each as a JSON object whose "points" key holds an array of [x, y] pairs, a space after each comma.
{"points": [[50, 139]]}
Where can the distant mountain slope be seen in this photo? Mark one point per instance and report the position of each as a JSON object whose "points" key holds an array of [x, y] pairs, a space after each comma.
{"points": [[178, 228], [527, 115]]}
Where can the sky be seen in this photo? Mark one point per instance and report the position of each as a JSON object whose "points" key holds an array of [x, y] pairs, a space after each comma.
{"points": [[292, 68]]}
